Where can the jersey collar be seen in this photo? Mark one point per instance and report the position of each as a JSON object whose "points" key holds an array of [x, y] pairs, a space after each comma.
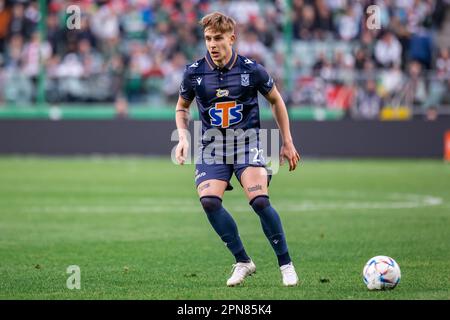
{"points": [[228, 66]]}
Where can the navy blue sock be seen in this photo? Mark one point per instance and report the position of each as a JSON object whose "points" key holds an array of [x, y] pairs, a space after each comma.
{"points": [[224, 225], [271, 224]]}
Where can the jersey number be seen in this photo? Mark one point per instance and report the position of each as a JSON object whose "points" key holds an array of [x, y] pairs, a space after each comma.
{"points": [[258, 154]]}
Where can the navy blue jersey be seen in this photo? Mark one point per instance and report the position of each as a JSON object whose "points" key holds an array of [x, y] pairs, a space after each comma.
{"points": [[227, 98]]}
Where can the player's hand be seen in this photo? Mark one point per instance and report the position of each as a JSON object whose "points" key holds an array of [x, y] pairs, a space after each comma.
{"points": [[289, 153], [181, 151]]}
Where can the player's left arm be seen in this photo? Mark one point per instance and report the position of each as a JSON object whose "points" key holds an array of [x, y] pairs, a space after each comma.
{"points": [[281, 116]]}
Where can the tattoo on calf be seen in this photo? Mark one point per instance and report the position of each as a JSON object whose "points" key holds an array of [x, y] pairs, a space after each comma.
{"points": [[255, 188], [203, 187]]}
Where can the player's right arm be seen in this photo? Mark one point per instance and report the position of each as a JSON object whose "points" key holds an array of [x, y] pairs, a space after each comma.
{"points": [[187, 94], [182, 121]]}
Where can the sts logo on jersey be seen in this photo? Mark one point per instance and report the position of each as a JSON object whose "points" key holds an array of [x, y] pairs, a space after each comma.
{"points": [[225, 114]]}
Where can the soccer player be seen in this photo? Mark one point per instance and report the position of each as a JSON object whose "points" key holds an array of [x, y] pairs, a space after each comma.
{"points": [[225, 86]]}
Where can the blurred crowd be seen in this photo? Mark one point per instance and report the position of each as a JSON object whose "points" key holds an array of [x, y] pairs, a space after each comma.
{"points": [[134, 51]]}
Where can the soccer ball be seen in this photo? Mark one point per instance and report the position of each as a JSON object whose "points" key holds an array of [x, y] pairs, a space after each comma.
{"points": [[381, 272]]}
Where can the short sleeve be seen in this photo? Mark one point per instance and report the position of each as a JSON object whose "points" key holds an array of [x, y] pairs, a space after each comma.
{"points": [[264, 82], [186, 90]]}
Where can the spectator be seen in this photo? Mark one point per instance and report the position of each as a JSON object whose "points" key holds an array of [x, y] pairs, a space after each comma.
{"points": [[388, 50], [133, 22], [85, 31], [443, 63], [360, 59], [18, 89], [349, 24], [251, 47], [431, 114], [34, 53], [13, 53], [91, 60], [19, 23], [173, 76], [324, 19], [439, 87], [391, 82], [368, 102], [420, 48], [305, 23], [5, 18], [417, 14], [367, 43], [105, 22], [415, 89], [244, 11], [55, 35]]}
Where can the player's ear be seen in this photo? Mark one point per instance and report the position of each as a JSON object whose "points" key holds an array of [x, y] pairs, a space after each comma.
{"points": [[232, 38]]}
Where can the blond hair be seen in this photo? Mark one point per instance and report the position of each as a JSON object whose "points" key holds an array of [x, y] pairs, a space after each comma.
{"points": [[218, 22]]}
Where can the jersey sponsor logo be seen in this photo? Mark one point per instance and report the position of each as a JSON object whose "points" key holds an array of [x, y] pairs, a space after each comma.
{"points": [[222, 93], [194, 65], [199, 80], [225, 114], [248, 61], [245, 80]]}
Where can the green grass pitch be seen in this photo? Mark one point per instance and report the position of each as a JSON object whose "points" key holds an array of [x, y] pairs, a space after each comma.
{"points": [[135, 228]]}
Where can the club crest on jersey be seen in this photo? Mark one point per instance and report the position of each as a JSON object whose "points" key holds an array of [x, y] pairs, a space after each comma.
{"points": [[225, 114], [222, 93], [245, 80]]}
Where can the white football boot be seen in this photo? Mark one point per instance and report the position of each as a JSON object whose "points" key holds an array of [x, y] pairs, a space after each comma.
{"points": [[241, 270], [290, 277]]}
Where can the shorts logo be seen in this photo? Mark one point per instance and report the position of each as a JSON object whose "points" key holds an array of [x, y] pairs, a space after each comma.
{"points": [[199, 175], [245, 80], [225, 114]]}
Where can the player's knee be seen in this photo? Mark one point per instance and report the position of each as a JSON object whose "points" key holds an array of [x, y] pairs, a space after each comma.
{"points": [[211, 203], [260, 202]]}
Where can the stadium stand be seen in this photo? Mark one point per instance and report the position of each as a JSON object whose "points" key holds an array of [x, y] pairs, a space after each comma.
{"points": [[132, 52]]}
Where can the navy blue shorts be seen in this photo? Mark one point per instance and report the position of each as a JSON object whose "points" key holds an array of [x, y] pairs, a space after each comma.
{"points": [[220, 169], [219, 160], [223, 172]]}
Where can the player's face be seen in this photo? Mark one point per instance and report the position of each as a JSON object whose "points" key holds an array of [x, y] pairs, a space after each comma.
{"points": [[219, 45]]}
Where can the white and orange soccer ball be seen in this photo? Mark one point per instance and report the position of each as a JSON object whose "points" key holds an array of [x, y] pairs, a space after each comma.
{"points": [[381, 272]]}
